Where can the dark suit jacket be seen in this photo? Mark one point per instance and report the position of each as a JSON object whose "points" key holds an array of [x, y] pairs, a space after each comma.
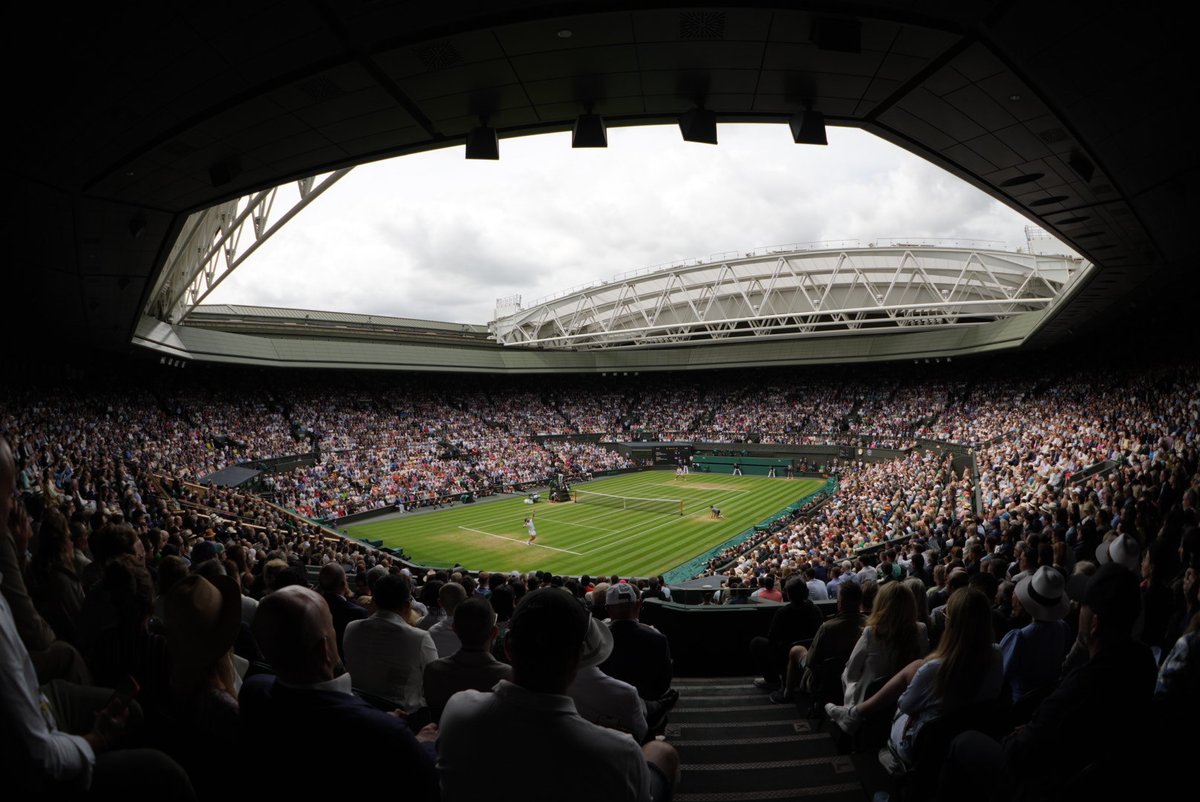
{"points": [[317, 741], [640, 656], [1097, 715], [343, 611]]}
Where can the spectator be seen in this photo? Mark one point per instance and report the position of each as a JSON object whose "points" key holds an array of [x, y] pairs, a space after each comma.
{"points": [[891, 640], [336, 592], [450, 595], [386, 655], [797, 621], [641, 655], [307, 706], [203, 620], [56, 589], [834, 641], [1033, 654], [472, 667], [817, 590], [486, 735], [600, 698]]}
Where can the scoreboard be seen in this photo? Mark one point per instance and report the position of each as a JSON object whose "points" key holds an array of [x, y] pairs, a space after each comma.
{"points": [[672, 454]]}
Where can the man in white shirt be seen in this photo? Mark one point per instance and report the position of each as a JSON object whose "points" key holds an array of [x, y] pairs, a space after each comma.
{"points": [[866, 571], [817, 591], [602, 699], [384, 654]]}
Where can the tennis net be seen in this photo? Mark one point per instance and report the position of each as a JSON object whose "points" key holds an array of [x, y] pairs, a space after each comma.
{"points": [[666, 506]]}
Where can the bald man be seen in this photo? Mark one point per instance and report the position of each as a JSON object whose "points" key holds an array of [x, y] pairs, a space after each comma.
{"points": [[305, 709]]}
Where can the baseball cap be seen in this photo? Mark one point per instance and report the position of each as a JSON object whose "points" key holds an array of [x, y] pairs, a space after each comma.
{"points": [[621, 594]]}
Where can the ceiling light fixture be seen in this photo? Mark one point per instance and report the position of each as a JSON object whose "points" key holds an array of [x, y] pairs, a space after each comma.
{"points": [[589, 132], [808, 128], [699, 125], [483, 143]]}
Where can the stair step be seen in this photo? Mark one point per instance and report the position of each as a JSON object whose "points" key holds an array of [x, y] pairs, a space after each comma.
{"points": [[848, 790], [735, 745]]}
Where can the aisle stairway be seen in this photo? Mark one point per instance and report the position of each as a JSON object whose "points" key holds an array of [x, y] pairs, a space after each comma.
{"points": [[736, 746]]}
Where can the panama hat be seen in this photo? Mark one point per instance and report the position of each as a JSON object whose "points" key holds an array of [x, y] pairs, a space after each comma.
{"points": [[1043, 594], [1122, 550]]}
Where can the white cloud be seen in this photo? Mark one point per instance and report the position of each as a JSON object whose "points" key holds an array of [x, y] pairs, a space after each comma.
{"points": [[434, 236]]}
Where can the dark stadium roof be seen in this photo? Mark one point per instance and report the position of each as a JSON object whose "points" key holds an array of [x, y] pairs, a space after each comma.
{"points": [[1069, 114]]}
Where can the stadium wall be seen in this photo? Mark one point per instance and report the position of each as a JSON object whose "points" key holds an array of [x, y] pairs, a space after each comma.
{"points": [[285, 464], [750, 466], [782, 451], [694, 630], [192, 343]]}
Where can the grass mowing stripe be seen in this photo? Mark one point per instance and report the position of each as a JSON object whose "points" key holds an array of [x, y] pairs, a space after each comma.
{"points": [[641, 532]]}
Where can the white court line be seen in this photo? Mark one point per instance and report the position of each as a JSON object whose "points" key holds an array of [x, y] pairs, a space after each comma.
{"points": [[518, 540]]}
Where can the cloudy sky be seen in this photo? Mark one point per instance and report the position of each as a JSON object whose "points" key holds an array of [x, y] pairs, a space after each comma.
{"points": [[435, 236]]}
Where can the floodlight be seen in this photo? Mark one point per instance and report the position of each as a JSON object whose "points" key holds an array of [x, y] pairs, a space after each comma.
{"points": [[808, 128], [483, 143], [699, 125], [589, 132]]}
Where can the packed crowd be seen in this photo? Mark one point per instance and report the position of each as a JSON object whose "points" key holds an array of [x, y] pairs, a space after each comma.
{"points": [[115, 562], [378, 443], [876, 502]]}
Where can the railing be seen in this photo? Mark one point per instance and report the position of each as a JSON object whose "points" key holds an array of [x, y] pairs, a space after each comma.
{"points": [[769, 250]]}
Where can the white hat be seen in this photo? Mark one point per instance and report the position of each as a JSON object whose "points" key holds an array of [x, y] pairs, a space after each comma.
{"points": [[1122, 550], [597, 644], [1043, 594]]}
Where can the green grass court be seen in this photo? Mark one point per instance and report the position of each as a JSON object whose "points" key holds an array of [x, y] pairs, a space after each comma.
{"points": [[590, 538]]}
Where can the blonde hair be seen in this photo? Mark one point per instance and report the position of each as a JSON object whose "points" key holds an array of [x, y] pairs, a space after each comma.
{"points": [[894, 622]]}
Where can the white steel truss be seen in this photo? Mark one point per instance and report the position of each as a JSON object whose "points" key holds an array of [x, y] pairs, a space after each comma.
{"points": [[801, 293], [218, 239]]}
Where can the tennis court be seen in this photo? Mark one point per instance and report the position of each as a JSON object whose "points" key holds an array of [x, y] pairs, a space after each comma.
{"points": [[629, 524]]}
